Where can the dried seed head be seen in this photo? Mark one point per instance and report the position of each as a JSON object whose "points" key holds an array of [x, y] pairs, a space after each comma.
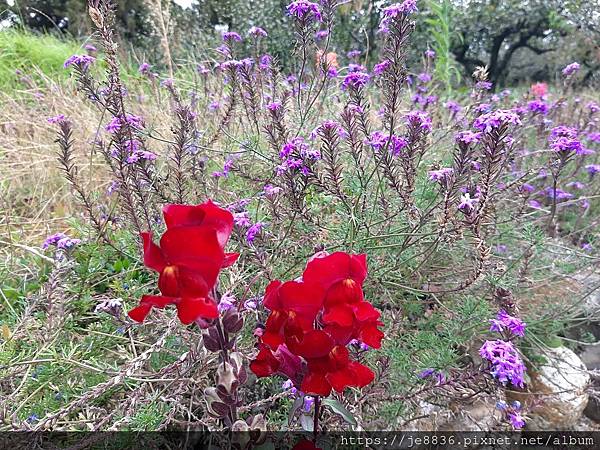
{"points": [[96, 17]]}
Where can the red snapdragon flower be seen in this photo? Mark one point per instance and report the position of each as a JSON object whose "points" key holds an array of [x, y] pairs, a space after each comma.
{"points": [[346, 315], [188, 260], [314, 319]]}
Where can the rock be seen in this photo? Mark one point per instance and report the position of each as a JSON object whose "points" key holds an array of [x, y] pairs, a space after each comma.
{"points": [[591, 356], [592, 410], [559, 386], [590, 291], [480, 414]]}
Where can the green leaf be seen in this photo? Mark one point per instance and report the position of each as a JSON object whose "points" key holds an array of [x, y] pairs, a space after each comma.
{"points": [[340, 410]]}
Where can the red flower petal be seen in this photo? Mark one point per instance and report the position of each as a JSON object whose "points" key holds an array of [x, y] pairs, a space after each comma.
{"points": [[362, 374], [371, 335], [365, 311], [183, 215], [314, 344], [207, 214], [189, 309], [271, 299], [168, 281], [153, 256], [230, 259], [192, 246], [315, 384], [336, 267], [272, 339], [139, 313], [340, 315], [305, 299], [198, 256], [341, 379], [340, 335], [146, 303], [158, 301], [264, 364]]}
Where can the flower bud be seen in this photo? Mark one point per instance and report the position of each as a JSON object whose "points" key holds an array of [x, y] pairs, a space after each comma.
{"points": [[214, 404], [227, 377], [232, 321], [211, 340]]}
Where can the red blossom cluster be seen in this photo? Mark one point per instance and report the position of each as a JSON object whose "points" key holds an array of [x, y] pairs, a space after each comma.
{"points": [[313, 320], [190, 256]]}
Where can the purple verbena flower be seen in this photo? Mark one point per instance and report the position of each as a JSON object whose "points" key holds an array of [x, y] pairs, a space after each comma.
{"points": [[355, 80], [381, 67], [231, 36], [82, 61], [253, 231], [419, 119], [593, 169], [538, 107], [440, 175], [257, 32], [506, 363], [504, 321], [468, 137], [483, 85], [56, 119], [467, 203], [571, 69], [305, 10], [496, 119]]}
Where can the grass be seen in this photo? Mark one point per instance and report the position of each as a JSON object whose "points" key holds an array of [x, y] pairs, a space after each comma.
{"points": [[37, 57]]}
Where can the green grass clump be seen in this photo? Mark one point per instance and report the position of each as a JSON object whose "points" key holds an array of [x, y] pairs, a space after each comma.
{"points": [[38, 57]]}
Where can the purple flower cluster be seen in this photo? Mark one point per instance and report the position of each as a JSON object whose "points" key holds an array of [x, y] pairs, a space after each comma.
{"points": [[226, 169], [441, 175], [355, 80], [305, 10], [507, 365], [483, 85], [231, 36], [453, 107], [253, 231], [504, 321], [396, 11], [60, 240], [380, 140], [571, 69], [271, 191], [592, 169], [538, 107], [496, 119], [56, 119], [432, 373], [81, 61], [513, 413], [419, 120], [296, 155], [257, 32], [468, 137], [329, 126], [381, 67], [565, 140], [117, 122], [467, 203]]}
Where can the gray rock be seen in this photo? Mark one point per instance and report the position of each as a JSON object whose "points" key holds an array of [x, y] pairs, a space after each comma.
{"points": [[560, 384]]}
